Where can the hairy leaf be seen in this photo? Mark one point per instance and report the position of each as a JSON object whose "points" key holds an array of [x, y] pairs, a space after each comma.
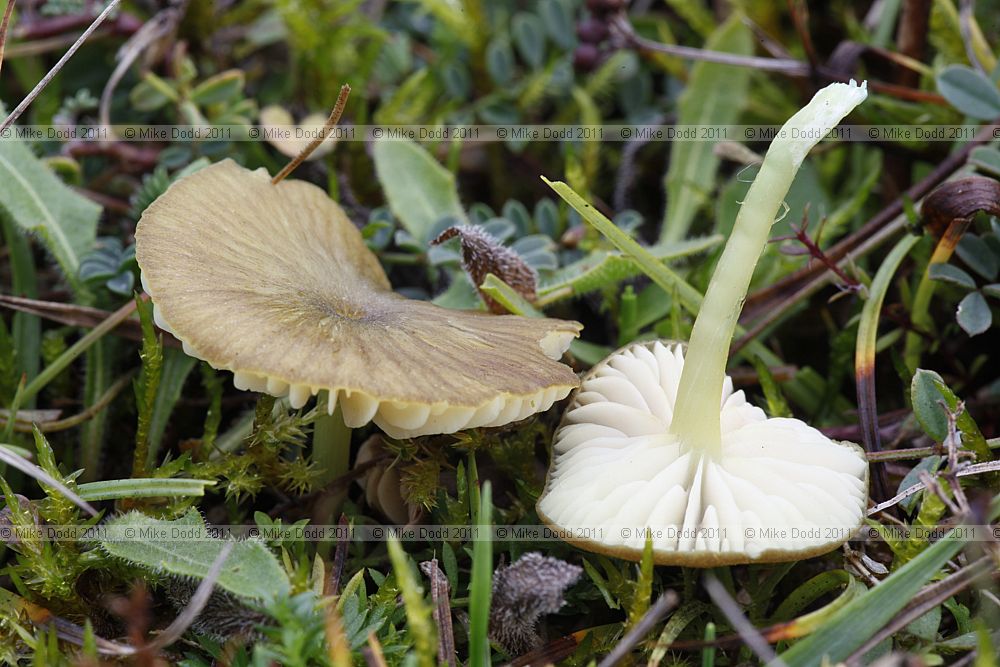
{"points": [[40, 203], [185, 548]]}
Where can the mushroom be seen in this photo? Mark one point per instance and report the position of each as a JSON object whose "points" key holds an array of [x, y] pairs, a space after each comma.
{"points": [[290, 139], [381, 482], [274, 283], [655, 442]]}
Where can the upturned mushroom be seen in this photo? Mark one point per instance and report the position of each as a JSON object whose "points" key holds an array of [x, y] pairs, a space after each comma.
{"points": [[656, 439], [274, 283]]}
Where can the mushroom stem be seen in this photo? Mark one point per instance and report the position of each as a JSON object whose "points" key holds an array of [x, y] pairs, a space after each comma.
{"points": [[696, 420]]}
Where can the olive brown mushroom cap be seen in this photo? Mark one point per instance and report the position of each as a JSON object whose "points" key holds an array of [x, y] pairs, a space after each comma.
{"points": [[778, 490], [275, 284]]}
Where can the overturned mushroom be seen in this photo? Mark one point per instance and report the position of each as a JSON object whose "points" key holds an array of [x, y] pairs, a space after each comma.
{"points": [[275, 284], [654, 441]]}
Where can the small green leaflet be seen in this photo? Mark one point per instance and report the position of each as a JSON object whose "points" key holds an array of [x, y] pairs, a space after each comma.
{"points": [[40, 203], [183, 547]]}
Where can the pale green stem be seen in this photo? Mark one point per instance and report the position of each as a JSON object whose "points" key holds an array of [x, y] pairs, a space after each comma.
{"points": [[696, 420]]}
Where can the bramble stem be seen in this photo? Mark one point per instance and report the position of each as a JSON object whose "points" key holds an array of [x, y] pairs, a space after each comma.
{"points": [[696, 419]]}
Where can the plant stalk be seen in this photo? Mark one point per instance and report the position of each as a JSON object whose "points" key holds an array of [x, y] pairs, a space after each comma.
{"points": [[696, 419]]}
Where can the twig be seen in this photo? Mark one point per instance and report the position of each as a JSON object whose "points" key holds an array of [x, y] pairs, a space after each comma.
{"points": [[801, 234], [180, 625], [903, 454], [795, 68], [79, 316], [624, 29], [26, 102], [974, 469], [21, 426], [331, 122], [933, 484], [727, 605], [800, 17], [952, 443], [770, 44], [339, 558], [373, 652], [663, 604], [442, 612], [772, 303], [3, 28], [31, 470], [156, 28], [911, 39], [41, 28]]}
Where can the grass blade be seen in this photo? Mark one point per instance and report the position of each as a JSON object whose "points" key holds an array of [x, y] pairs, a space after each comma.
{"points": [[668, 280], [33, 471], [143, 488], [713, 96], [864, 358], [418, 612], [854, 623]]}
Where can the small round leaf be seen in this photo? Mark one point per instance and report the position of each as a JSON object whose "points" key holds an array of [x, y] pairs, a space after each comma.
{"points": [[951, 274], [974, 314], [969, 91]]}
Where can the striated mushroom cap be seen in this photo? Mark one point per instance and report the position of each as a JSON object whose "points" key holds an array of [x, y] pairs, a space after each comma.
{"points": [[275, 284], [779, 490]]}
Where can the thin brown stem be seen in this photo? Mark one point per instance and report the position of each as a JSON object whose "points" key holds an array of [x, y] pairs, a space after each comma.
{"points": [[731, 610], [331, 122], [624, 29], [774, 302], [36, 91], [373, 652], [800, 17], [79, 418], [974, 469], [911, 38], [801, 234], [663, 605], [788, 66], [3, 28]]}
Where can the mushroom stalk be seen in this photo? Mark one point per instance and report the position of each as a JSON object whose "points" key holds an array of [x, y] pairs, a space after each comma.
{"points": [[696, 421]]}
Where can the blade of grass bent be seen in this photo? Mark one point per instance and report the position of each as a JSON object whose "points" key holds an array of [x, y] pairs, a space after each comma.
{"points": [[31, 470], [864, 359], [849, 628], [689, 297]]}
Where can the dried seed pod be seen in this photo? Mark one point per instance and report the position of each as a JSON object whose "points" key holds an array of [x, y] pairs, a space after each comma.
{"points": [[483, 254], [522, 592], [224, 615]]}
